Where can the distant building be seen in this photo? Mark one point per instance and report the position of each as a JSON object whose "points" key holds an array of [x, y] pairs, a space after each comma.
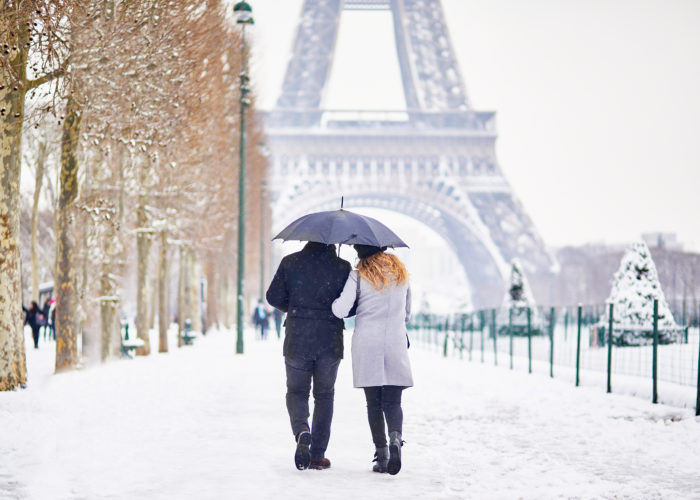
{"points": [[667, 241]]}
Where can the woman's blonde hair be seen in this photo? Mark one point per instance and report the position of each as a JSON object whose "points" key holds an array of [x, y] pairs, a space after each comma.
{"points": [[383, 270]]}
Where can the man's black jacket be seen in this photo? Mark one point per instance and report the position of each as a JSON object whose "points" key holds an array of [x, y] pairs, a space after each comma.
{"points": [[305, 286]]}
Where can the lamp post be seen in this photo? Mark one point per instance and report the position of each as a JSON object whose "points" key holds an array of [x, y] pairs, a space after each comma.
{"points": [[262, 240], [265, 152], [244, 16]]}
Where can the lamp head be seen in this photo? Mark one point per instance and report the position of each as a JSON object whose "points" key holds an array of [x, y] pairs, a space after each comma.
{"points": [[243, 12]]}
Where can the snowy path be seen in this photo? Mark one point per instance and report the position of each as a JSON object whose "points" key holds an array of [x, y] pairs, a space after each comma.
{"points": [[204, 423]]}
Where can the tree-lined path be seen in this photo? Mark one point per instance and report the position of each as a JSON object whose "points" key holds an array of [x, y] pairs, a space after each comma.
{"points": [[203, 423]]}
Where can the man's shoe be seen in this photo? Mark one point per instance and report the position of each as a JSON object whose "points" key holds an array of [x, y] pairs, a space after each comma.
{"points": [[324, 463], [381, 456], [395, 443], [302, 457]]}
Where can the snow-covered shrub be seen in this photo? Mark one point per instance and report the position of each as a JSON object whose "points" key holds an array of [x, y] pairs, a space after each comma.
{"points": [[634, 288], [518, 299]]}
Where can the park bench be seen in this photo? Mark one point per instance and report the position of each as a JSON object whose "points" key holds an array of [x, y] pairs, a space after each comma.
{"points": [[187, 334], [128, 346]]}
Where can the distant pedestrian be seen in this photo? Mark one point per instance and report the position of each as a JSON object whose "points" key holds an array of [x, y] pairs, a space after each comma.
{"points": [[261, 319], [32, 317], [45, 316], [52, 319], [380, 365], [277, 316]]}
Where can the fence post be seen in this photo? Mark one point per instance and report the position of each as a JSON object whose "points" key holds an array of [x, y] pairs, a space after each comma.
{"points": [[495, 335], [436, 332], [447, 334], [566, 322], [429, 332], [529, 340], [428, 329], [421, 334], [482, 323], [471, 334], [655, 360], [510, 334], [697, 400], [610, 340], [461, 338], [685, 319], [419, 327], [578, 343], [551, 342]]}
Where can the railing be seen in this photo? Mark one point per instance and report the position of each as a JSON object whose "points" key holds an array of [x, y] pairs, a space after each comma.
{"points": [[571, 340], [466, 120]]}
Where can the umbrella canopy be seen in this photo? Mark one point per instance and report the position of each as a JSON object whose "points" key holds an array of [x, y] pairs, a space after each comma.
{"points": [[340, 226]]}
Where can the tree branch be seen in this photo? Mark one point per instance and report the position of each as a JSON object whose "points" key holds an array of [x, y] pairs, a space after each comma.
{"points": [[32, 84]]}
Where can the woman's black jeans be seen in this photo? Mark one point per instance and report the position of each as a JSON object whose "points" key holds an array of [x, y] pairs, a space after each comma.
{"points": [[384, 402]]}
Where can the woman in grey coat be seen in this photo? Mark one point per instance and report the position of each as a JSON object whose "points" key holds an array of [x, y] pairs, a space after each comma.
{"points": [[380, 362]]}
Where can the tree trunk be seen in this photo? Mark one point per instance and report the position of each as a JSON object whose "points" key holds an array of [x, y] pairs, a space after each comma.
{"points": [[122, 183], [187, 287], [226, 300], [13, 369], [66, 299], [212, 294], [108, 313], [221, 291], [88, 341], [163, 315], [90, 351], [153, 292], [143, 250], [41, 159], [181, 297], [195, 293]]}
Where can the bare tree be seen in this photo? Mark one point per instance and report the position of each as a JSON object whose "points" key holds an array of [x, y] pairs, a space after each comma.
{"points": [[30, 30], [160, 159]]}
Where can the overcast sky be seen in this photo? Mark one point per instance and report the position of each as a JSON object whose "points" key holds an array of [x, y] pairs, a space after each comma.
{"points": [[598, 102]]}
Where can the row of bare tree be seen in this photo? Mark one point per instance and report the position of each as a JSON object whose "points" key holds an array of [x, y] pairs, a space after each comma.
{"points": [[145, 94]]}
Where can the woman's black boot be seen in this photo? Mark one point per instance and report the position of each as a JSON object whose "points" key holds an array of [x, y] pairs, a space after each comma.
{"points": [[395, 443], [381, 456]]}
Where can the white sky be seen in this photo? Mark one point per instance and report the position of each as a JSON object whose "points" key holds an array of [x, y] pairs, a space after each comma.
{"points": [[598, 102]]}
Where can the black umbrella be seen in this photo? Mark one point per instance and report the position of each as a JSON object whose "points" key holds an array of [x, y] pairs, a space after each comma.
{"points": [[340, 226]]}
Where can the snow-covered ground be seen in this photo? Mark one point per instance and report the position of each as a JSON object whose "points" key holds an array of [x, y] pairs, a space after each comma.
{"points": [[202, 422]]}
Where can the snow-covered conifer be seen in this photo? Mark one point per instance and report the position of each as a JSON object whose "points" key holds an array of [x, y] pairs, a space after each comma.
{"points": [[518, 298], [634, 287]]}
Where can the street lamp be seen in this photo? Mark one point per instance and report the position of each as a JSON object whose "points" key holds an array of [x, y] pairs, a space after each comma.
{"points": [[262, 240], [265, 152], [244, 16]]}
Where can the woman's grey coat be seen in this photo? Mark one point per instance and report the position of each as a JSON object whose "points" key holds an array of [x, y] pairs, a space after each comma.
{"points": [[379, 350]]}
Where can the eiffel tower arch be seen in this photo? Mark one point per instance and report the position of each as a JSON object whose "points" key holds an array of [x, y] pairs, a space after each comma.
{"points": [[435, 161]]}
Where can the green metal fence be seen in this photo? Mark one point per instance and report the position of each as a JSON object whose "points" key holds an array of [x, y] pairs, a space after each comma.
{"points": [[578, 338]]}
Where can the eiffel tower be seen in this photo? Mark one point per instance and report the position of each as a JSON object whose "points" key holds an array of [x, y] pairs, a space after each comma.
{"points": [[435, 162]]}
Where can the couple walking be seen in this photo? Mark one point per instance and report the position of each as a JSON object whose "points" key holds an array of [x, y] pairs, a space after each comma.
{"points": [[317, 289]]}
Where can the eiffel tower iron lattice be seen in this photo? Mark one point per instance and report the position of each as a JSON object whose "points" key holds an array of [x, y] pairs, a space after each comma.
{"points": [[435, 162]]}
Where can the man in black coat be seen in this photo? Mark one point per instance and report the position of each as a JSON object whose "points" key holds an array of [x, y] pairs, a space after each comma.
{"points": [[305, 286]]}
